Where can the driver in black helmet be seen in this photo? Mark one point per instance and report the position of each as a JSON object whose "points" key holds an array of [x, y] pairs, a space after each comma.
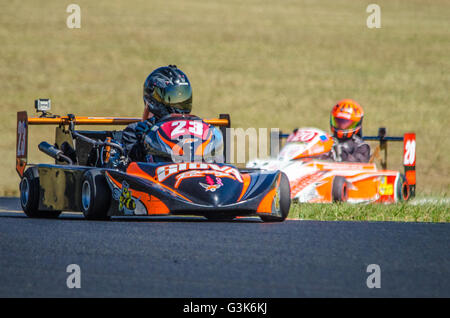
{"points": [[166, 91]]}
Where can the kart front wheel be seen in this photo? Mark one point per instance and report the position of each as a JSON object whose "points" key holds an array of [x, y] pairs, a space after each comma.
{"points": [[29, 196], [282, 201], [339, 189], [95, 196]]}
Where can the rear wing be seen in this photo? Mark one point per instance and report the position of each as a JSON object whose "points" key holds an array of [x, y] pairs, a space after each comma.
{"points": [[23, 123], [409, 153]]}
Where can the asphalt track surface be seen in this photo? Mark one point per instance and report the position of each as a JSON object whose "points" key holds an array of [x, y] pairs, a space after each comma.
{"points": [[192, 257]]}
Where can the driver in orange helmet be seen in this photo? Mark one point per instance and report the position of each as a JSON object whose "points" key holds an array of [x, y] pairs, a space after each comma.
{"points": [[346, 125]]}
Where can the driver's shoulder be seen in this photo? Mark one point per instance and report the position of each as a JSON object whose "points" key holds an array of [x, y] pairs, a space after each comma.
{"points": [[359, 142]]}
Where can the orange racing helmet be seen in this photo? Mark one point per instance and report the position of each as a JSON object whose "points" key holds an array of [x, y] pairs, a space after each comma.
{"points": [[346, 119]]}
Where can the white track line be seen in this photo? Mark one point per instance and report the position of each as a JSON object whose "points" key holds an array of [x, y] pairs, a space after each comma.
{"points": [[423, 201]]}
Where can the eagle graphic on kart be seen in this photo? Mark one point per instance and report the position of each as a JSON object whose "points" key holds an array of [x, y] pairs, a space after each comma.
{"points": [[314, 180], [93, 175]]}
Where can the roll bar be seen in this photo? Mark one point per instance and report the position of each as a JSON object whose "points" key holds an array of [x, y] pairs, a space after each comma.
{"points": [[23, 122]]}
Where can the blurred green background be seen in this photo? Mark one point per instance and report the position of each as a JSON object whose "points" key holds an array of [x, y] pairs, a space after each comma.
{"points": [[267, 63]]}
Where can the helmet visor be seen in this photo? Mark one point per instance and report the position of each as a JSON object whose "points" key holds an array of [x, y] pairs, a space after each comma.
{"points": [[179, 96], [341, 123]]}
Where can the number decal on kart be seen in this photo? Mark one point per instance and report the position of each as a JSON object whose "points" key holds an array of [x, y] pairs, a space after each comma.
{"points": [[21, 137], [196, 128], [193, 127], [410, 153], [178, 130], [302, 135]]}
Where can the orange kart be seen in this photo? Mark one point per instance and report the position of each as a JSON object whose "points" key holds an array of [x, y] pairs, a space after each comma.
{"points": [[319, 181]]}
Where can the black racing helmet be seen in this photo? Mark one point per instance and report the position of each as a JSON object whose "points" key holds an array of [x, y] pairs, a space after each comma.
{"points": [[167, 90]]}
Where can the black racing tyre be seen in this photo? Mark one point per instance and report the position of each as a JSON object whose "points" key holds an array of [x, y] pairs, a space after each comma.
{"points": [[402, 188], [339, 189], [29, 196], [95, 196], [284, 201]]}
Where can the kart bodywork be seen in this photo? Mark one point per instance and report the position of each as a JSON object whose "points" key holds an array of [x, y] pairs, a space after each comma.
{"points": [[84, 177], [323, 181]]}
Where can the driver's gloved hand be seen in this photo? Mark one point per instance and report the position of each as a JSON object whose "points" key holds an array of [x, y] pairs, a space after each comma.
{"points": [[142, 128], [336, 151], [344, 150]]}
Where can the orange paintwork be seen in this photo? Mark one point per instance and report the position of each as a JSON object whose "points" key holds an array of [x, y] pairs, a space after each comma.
{"points": [[322, 147], [246, 178], [20, 166], [84, 120], [201, 149], [107, 150], [365, 182], [265, 206], [177, 150], [152, 204], [411, 176], [324, 190], [364, 189], [158, 207]]}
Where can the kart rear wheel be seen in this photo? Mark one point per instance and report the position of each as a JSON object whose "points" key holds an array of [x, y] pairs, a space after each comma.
{"points": [[29, 196], [402, 188], [284, 201], [95, 196], [339, 189]]}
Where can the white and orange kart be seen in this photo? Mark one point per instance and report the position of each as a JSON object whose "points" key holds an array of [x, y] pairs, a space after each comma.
{"points": [[324, 181]]}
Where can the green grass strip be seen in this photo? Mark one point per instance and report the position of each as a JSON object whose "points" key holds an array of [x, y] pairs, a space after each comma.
{"points": [[400, 212]]}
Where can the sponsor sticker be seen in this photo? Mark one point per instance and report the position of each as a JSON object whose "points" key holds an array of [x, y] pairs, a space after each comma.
{"points": [[126, 201], [212, 185], [195, 169], [385, 187]]}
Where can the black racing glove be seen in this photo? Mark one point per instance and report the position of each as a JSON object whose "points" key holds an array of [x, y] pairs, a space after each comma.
{"points": [[142, 128]]}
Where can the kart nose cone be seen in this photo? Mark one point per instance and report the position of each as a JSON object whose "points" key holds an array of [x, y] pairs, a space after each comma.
{"points": [[215, 193], [213, 199]]}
